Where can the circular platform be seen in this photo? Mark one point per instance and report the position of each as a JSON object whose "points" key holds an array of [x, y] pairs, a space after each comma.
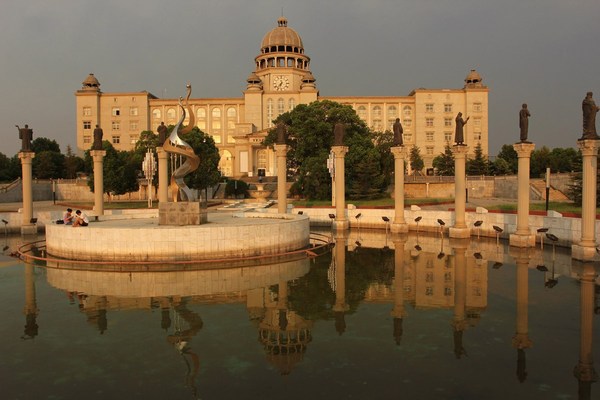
{"points": [[226, 236]]}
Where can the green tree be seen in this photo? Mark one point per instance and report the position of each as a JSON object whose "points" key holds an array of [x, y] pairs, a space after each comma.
{"points": [[73, 164], [44, 144], [478, 165], [48, 165], [500, 167], [9, 168], [120, 170], [383, 142], [416, 161], [540, 160], [564, 160], [444, 163], [207, 174], [509, 154]]}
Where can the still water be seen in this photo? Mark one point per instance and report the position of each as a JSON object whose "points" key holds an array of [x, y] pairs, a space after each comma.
{"points": [[377, 317]]}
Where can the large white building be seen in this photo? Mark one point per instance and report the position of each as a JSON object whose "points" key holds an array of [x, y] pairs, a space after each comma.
{"points": [[281, 80]]}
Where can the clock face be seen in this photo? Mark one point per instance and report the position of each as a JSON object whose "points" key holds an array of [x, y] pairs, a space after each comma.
{"points": [[281, 83]]}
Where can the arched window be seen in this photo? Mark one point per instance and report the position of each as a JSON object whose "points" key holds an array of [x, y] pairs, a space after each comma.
{"points": [[156, 114], [261, 161], [231, 120], [377, 112], [362, 112], [216, 120], [280, 106], [269, 113], [201, 118], [407, 111], [292, 104], [171, 115], [226, 164]]}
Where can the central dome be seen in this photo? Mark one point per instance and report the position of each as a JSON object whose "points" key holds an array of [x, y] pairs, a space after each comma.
{"points": [[282, 36]]}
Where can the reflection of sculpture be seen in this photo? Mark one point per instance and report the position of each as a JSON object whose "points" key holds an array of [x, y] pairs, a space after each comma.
{"points": [[339, 131], [26, 135], [589, 109], [398, 133], [162, 134], [281, 133], [97, 145], [459, 137], [524, 122], [175, 145]]}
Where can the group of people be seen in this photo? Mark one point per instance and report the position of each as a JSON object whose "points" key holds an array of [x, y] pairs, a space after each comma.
{"points": [[78, 219]]}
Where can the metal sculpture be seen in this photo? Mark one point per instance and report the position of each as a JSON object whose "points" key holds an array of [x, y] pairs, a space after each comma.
{"points": [[175, 145]]}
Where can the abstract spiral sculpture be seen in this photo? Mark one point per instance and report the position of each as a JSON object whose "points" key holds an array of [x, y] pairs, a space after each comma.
{"points": [[175, 145]]}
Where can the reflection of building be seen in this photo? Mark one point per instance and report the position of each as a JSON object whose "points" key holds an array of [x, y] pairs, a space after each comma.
{"points": [[281, 80]]}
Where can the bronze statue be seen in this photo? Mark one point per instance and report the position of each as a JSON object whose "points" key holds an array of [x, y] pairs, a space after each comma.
{"points": [[459, 136], [339, 131], [26, 135], [97, 145], [589, 117], [281, 133], [398, 131], [162, 134], [524, 122]]}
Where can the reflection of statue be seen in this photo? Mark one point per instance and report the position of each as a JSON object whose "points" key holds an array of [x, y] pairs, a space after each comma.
{"points": [[281, 133], [459, 137], [398, 133], [97, 145], [524, 122], [339, 131], [162, 134], [26, 135], [589, 117]]}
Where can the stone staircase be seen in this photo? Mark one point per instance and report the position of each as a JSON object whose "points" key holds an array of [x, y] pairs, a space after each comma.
{"points": [[539, 185]]}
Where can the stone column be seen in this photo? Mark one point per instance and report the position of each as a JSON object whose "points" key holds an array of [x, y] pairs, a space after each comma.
{"points": [[460, 229], [98, 156], [398, 312], [399, 224], [521, 339], [281, 153], [584, 370], [586, 248], [459, 322], [163, 175], [27, 228], [523, 236], [340, 307], [341, 221]]}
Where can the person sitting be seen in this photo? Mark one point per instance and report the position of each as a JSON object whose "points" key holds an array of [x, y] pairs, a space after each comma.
{"points": [[68, 217], [81, 219]]}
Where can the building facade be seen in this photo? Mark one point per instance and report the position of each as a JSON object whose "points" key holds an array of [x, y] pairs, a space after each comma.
{"points": [[281, 80]]}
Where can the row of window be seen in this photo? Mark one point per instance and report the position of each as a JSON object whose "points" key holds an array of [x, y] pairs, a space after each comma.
{"points": [[429, 121], [114, 125], [280, 109], [430, 107], [115, 111]]}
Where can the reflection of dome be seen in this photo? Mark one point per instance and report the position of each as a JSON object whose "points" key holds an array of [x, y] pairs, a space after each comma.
{"points": [[283, 36]]}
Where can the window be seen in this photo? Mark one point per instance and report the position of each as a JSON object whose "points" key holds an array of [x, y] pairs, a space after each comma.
{"points": [[477, 136], [261, 161], [407, 137], [429, 122], [377, 125], [87, 139], [407, 122], [116, 125], [362, 112], [116, 111], [429, 107], [429, 277], [429, 150], [133, 139], [171, 114], [477, 107], [477, 122], [156, 114], [407, 111], [448, 136], [429, 136], [377, 112], [392, 112], [216, 119], [447, 121], [87, 111], [116, 139], [447, 108], [133, 111], [269, 113], [428, 291], [280, 106], [217, 138], [87, 124], [133, 125], [447, 291], [292, 104], [201, 117]]}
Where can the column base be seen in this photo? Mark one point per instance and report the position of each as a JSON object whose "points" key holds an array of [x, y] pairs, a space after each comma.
{"points": [[585, 373], [341, 225], [521, 341], [459, 233], [583, 253], [521, 240], [399, 227], [28, 229]]}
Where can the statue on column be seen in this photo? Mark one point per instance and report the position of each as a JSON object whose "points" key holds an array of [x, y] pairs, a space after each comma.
{"points": [[459, 136], [339, 131], [281, 133], [26, 135], [524, 115], [398, 131], [162, 134], [589, 117], [98, 133]]}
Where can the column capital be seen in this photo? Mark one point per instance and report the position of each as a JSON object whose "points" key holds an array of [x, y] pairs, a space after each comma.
{"points": [[281, 149], [588, 147], [524, 149], [26, 155], [98, 153], [398, 151], [160, 150], [339, 151], [460, 150]]}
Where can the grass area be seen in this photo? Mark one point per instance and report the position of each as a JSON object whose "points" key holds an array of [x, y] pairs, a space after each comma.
{"points": [[113, 205], [561, 207], [371, 203]]}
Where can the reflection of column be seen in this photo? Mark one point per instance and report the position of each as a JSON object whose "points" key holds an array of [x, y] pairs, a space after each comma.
{"points": [[399, 224], [341, 221], [521, 339], [163, 175], [98, 156], [398, 312], [30, 310], [586, 248], [523, 237], [340, 307], [459, 230], [281, 152], [584, 371], [459, 322], [27, 227]]}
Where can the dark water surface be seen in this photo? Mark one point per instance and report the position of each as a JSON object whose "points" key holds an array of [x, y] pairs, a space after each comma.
{"points": [[383, 320]]}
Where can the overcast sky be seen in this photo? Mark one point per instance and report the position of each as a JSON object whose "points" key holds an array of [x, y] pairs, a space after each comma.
{"points": [[542, 52]]}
